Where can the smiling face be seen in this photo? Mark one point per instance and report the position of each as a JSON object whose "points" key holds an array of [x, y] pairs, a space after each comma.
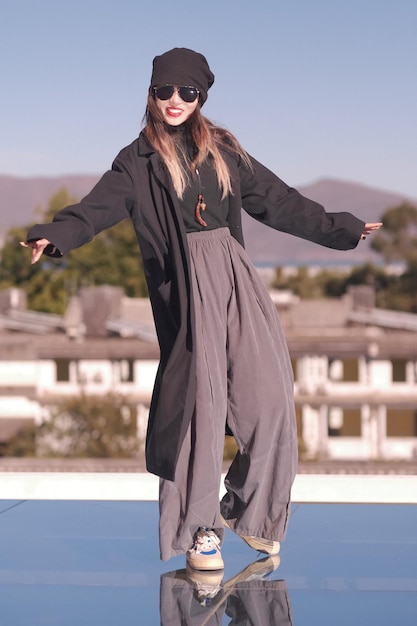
{"points": [[175, 111]]}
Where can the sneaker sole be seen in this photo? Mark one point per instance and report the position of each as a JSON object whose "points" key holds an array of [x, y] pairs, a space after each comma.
{"points": [[205, 564], [204, 577], [256, 543], [259, 545], [266, 565]]}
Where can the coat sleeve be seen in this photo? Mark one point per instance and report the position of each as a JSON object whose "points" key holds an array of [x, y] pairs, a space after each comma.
{"points": [[109, 202], [269, 200]]}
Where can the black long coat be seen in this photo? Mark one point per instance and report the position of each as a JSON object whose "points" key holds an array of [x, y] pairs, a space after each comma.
{"points": [[138, 186]]}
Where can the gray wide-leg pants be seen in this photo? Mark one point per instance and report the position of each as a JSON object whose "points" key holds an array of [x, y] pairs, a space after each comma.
{"points": [[251, 602], [244, 376]]}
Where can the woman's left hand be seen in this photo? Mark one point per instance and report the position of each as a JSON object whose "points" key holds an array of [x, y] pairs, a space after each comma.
{"points": [[369, 228]]}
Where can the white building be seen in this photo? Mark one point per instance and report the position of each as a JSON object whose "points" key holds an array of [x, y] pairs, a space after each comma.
{"points": [[46, 357], [355, 371], [355, 366]]}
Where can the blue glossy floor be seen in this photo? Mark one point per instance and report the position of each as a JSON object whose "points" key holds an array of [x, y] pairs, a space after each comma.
{"points": [[67, 562]]}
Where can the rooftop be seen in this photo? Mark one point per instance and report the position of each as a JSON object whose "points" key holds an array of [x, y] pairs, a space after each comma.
{"points": [[94, 559], [103, 323]]}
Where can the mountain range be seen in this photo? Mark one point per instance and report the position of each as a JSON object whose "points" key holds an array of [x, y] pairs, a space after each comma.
{"points": [[20, 197]]}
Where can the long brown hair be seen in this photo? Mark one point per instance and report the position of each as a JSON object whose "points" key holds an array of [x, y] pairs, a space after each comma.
{"points": [[204, 135]]}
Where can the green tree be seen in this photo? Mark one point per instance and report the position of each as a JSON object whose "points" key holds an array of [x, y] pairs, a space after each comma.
{"points": [[301, 283], [333, 284], [15, 270], [369, 274], [84, 426], [321, 284], [397, 239], [56, 202], [22, 443], [112, 258]]}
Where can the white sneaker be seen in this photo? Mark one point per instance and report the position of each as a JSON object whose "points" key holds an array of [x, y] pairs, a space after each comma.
{"points": [[207, 584], [205, 552], [258, 570], [267, 546]]}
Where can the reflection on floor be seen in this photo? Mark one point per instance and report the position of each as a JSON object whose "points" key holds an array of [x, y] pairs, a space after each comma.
{"points": [[82, 562]]}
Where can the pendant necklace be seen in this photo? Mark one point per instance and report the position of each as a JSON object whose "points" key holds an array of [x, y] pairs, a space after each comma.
{"points": [[201, 205]]}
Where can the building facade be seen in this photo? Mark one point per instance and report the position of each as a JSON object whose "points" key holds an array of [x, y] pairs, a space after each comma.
{"points": [[355, 367]]}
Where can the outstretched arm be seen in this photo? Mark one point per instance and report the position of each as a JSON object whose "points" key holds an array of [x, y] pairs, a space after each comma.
{"points": [[108, 203], [271, 201]]}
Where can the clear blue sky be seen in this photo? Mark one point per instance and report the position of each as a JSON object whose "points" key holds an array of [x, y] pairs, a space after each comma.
{"points": [[312, 88]]}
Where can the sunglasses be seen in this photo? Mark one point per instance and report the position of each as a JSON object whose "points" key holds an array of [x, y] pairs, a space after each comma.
{"points": [[165, 92]]}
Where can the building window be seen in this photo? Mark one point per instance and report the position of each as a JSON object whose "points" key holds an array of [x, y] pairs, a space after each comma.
{"points": [[350, 370], [344, 422], [127, 371], [344, 370], [62, 370], [399, 370], [401, 423]]}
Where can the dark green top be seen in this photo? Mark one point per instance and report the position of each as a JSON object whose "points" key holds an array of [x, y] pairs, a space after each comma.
{"points": [[216, 213], [203, 182]]}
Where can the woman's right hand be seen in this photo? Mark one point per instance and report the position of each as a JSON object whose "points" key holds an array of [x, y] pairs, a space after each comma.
{"points": [[38, 246]]}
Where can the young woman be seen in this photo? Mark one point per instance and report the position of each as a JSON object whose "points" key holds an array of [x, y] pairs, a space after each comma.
{"points": [[224, 363]]}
